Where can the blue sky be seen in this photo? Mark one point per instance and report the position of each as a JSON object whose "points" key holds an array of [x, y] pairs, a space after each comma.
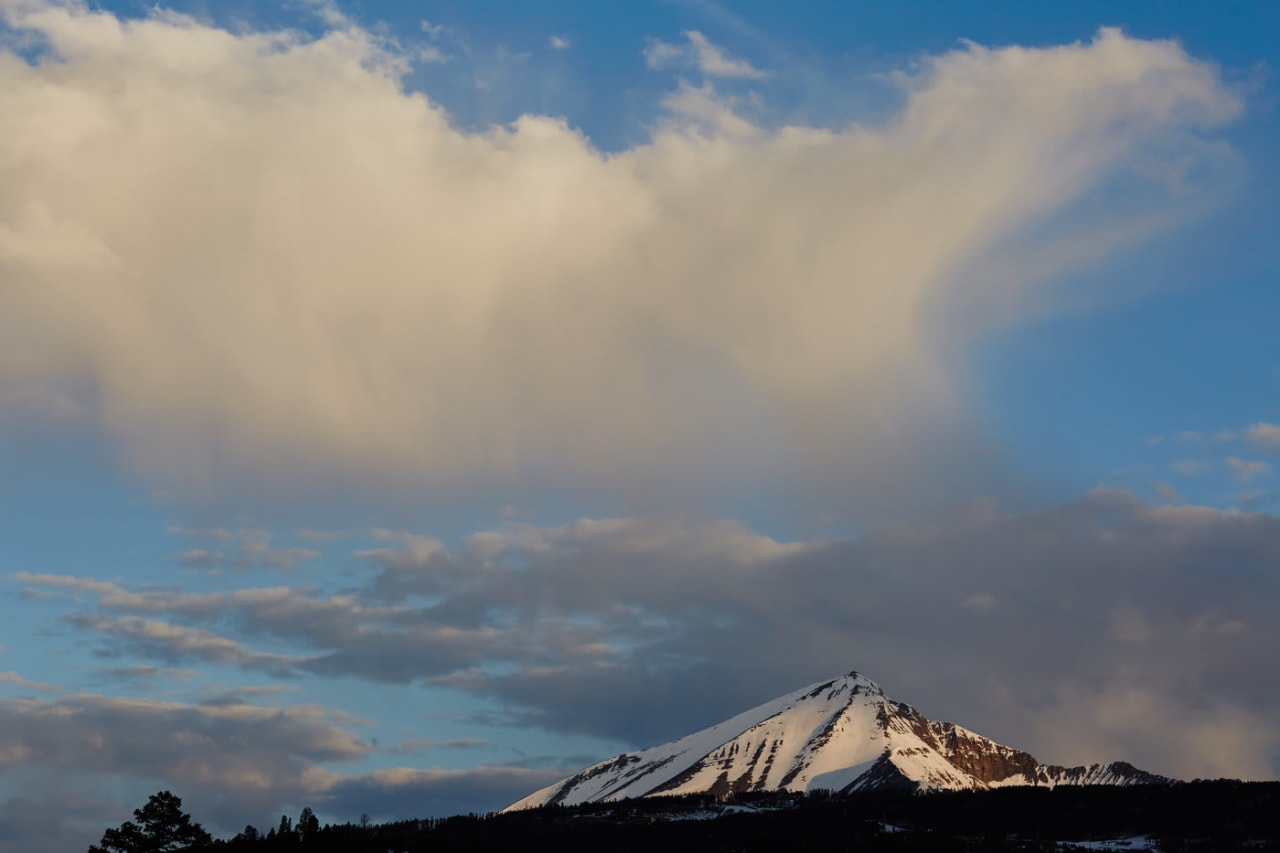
{"points": [[402, 405]]}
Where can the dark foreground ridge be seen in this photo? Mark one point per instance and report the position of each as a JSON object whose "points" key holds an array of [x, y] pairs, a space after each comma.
{"points": [[1188, 817]]}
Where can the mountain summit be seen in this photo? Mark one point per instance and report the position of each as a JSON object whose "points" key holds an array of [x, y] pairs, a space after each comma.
{"points": [[840, 735]]}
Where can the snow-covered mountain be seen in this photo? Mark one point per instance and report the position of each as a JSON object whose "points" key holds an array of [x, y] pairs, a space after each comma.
{"points": [[840, 735]]}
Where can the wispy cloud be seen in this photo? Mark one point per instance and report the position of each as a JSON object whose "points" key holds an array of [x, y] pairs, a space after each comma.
{"points": [[12, 678], [433, 55], [241, 549], [1189, 467], [440, 37], [698, 52], [1245, 470], [1265, 435], [330, 12], [162, 640], [558, 42], [419, 746]]}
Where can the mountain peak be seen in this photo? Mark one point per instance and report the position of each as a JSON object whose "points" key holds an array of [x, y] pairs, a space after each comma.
{"points": [[842, 735], [860, 682]]}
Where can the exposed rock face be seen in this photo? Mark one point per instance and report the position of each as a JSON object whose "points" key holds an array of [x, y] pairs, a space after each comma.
{"points": [[981, 758], [841, 735]]}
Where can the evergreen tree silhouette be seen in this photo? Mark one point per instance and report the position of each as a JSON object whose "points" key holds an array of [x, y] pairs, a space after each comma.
{"points": [[161, 827], [308, 826]]}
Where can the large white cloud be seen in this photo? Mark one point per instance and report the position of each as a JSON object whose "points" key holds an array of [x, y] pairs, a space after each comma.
{"points": [[258, 252]]}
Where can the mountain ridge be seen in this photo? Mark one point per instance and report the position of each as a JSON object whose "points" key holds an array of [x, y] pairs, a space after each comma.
{"points": [[842, 735]]}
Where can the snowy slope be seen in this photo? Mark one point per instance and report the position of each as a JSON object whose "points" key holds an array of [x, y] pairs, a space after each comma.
{"points": [[842, 734]]}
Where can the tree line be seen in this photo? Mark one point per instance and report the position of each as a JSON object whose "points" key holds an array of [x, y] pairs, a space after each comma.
{"points": [[1222, 815]]}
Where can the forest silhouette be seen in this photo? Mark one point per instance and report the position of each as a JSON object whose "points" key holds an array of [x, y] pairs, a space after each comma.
{"points": [[1221, 815]]}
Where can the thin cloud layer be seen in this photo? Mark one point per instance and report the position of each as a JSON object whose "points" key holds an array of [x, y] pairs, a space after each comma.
{"points": [[256, 255], [1103, 629]]}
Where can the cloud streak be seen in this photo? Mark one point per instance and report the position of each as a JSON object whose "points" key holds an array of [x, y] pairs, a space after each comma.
{"points": [[239, 550], [264, 259]]}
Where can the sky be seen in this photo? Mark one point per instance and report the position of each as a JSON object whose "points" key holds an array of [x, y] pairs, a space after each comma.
{"points": [[403, 405]]}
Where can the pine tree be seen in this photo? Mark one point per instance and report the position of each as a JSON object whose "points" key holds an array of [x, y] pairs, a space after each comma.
{"points": [[161, 827], [308, 825]]}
